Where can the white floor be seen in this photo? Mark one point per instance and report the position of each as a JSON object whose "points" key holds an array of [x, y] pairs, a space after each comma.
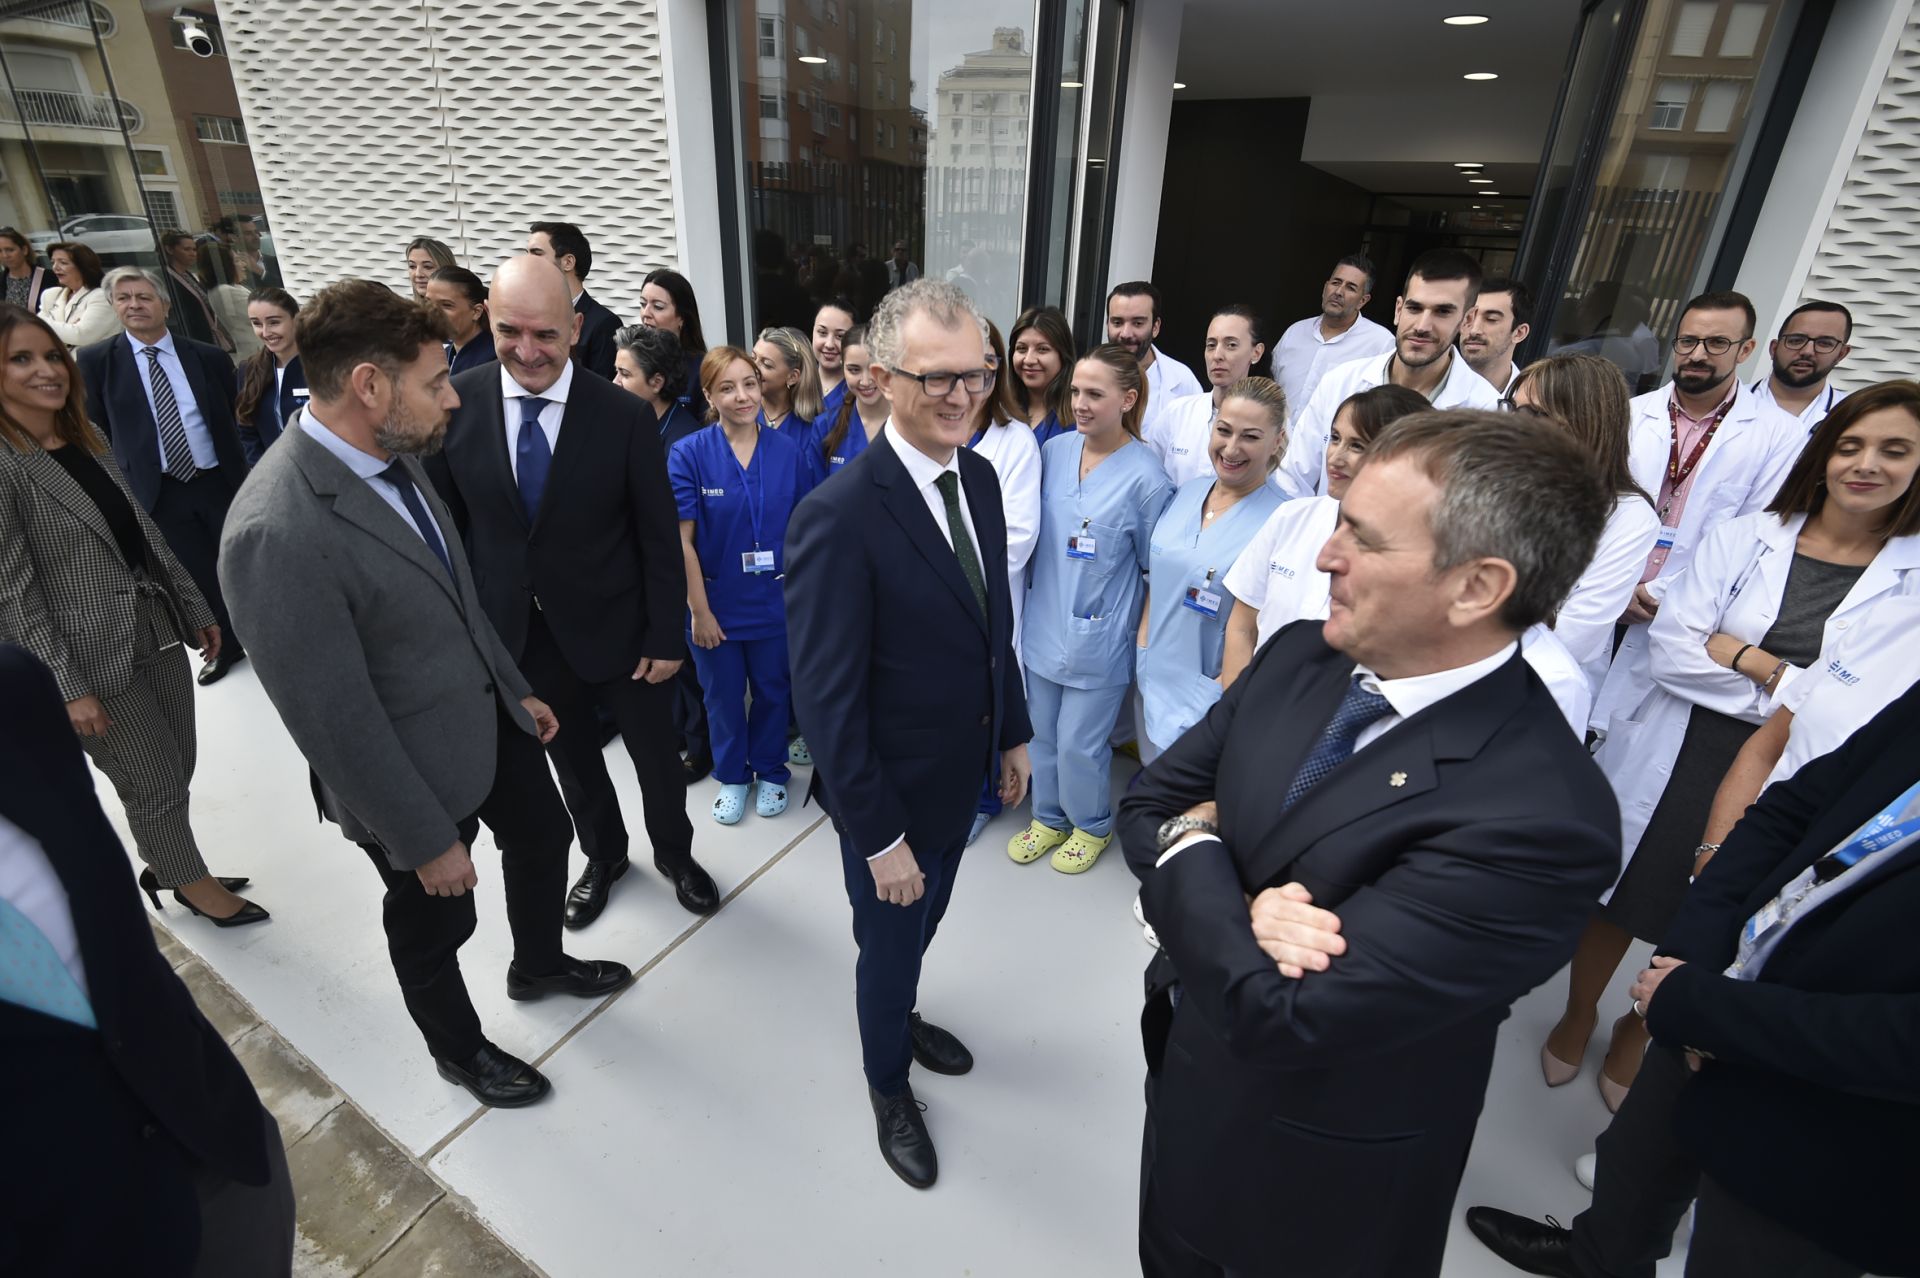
{"points": [[712, 1119]]}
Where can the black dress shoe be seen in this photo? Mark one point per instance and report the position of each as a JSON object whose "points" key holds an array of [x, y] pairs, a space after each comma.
{"points": [[936, 1049], [904, 1141], [589, 894], [212, 672], [1527, 1245], [495, 1078], [698, 765], [583, 978], [692, 885]]}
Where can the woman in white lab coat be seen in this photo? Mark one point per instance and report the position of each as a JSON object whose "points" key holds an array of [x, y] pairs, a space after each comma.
{"points": [[1769, 599], [1588, 396]]}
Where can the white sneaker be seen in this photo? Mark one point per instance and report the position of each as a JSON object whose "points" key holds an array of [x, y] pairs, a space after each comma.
{"points": [[1583, 1168]]}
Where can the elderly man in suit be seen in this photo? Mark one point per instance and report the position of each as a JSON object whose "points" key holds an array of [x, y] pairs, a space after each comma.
{"points": [[375, 650], [165, 403], [122, 1093], [1421, 841], [904, 679], [558, 484]]}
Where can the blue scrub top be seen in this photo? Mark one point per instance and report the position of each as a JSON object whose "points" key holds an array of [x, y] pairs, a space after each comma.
{"points": [[680, 423], [1044, 433], [830, 403], [1185, 648], [800, 430], [851, 447], [475, 353], [1082, 615], [710, 488]]}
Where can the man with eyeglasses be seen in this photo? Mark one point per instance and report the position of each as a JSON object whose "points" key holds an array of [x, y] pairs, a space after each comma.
{"points": [[1708, 450], [900, 622], [1813, 340]]}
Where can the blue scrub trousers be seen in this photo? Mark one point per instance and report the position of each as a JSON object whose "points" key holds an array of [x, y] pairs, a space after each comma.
{"points": [[1072, 758], [747, 743]]}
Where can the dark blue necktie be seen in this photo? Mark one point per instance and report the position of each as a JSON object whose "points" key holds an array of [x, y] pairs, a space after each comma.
{"points": [[397, 475], [532, 456], [1357, 709]]}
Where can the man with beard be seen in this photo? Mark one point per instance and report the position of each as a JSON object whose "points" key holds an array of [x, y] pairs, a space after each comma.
{"points": [[375, 651], [1339, 334], [1442, 286], [1497, 324], [1133, 320], [1813, 340]]}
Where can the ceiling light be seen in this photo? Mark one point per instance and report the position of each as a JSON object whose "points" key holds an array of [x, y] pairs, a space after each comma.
{"points": [[1178, 85], [1489, 192], [1072, 84], [1481, 181], [1480, 75], [1476, 206], [1469, 164], [1465, 19], [813, 61]]}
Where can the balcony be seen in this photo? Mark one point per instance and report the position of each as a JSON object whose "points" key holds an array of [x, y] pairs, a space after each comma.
{"points": [[55, 108], [76, 20]]}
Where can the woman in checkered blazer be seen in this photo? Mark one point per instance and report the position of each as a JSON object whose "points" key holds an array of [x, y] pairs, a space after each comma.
{"points": [[88, 586]]}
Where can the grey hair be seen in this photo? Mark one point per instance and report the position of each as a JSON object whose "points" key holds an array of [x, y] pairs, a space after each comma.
{"points": [[1512, 487], [947, 304], [118, 273]]}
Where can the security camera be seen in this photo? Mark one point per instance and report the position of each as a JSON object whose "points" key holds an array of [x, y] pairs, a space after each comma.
{"points": [[194, 29]]}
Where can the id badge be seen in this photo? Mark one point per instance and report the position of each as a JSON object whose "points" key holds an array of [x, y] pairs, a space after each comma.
{"points": [[1203, 601], [1084, 546], [1666, 539], [756, 561]]}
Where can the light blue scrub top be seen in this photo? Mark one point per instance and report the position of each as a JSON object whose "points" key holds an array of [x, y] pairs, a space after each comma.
{"points": [[1184, 647], [1083, 614], [734, 511]]}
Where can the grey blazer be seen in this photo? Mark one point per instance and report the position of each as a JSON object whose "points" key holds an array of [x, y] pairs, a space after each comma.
{"points": [[388, 676], [66, 594]]}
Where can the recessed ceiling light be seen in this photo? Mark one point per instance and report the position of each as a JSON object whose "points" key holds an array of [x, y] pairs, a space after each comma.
{"points": [[1481, 181], [813, 61], [1465, 19], [1481, 75], [1469, 164], [1476, 206], [1178, 85], [1489, 192], [1072, 84]]}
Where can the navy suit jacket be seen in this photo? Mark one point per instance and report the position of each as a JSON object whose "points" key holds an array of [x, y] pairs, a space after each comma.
{"points": [[272, 413], [86, 1105], [117, 402], [475, 353], [597, 327], [1809, 1111], [1315, 1119], [902, 688]]}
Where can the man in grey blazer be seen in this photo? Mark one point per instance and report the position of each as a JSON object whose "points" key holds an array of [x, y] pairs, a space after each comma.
{"points": [[375, 651]]}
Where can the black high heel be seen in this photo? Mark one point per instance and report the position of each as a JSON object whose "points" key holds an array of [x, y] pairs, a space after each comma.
{"points": [[247, 913], [151, 885]]}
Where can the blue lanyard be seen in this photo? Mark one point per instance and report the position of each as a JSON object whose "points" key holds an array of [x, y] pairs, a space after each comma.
{"points": [[978, 435], [1878, 834], [665, 421], [753, 508]]}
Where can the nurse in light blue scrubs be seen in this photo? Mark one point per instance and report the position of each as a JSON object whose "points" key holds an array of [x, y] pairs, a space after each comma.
{"points": [[1209, 522], [736, 485], [1101, 492], [842, 435]]}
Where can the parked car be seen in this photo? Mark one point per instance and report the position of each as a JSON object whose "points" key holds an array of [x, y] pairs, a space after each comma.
{"points": [[111, 235]]}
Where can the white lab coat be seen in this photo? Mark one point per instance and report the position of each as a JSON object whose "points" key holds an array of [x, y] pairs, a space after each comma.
{"points": [[1015, 457], [1303, 471], [1586, 620], [1835, 699], [1739, 474], [1180, 438], [1734, 584]]}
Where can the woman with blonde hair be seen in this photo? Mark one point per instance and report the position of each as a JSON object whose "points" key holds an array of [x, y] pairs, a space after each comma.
{"points": [[424, 257], [789, 383]]}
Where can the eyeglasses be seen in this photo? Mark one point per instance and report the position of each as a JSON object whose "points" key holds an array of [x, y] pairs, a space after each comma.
{"points": [[1795, 341], [940, 385], [1684, 344], [1530, 410]]}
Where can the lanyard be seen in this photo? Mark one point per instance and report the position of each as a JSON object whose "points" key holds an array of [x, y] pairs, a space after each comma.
{"points": [[1678, 472], [664, 421], [753, 507], [978, 435], [1883, 831]]}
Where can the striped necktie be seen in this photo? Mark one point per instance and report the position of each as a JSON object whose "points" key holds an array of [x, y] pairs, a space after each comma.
{"points": [[175, 454]]}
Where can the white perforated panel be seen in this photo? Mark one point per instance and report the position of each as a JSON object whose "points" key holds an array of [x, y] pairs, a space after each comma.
{"points": [[1869, 258], [460, 119]]}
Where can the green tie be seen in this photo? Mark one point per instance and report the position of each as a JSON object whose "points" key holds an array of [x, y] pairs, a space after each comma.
{"points": [[962, 543]]}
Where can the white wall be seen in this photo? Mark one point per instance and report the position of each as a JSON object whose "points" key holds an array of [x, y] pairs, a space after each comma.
{"points": [[696, 191], [1142, 163]]}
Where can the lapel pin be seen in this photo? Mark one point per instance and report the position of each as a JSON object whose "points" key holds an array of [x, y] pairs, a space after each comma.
{"points": [[1397, 780]]}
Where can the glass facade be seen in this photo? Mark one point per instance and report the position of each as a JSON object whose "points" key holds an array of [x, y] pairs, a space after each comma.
{"points": [[121, 131]]}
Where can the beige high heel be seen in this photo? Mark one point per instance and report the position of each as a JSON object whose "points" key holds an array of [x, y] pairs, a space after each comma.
{"points": [[1556, 1071]]}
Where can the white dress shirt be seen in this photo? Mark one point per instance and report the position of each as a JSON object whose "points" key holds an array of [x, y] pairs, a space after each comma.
{"points": [[1303, 356], [369, 468], [199, 441], [1303, 471], [513, 392], [29, 884]]}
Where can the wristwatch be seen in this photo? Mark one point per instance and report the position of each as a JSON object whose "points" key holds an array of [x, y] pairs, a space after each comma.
{"points": [[1174, 827]]}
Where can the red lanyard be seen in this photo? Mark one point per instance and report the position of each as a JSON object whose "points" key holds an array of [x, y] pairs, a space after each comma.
{"points": [[1678, 472]]}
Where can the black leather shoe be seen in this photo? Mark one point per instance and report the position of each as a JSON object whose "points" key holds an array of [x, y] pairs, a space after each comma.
{"points": [[904, 1141], [936, 1049], [212, 672], [698, 765], [583, 978], [1527, 1245], [692, 885], [495, 1078], [589, 894]]}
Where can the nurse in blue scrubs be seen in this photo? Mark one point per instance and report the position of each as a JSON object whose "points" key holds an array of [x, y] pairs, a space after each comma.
{"points": [[844, 434], [789, 383], [1041, 359], [1209, 522], [736, 485], [831, 324], [1101, 493]]}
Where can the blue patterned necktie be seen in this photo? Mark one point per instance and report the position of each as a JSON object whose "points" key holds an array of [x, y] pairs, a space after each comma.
{"points": [[32, 975], [532, 456], [402, 482], [1357, 709]]}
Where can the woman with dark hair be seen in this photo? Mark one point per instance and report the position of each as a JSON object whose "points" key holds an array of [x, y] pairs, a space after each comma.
{"points": [[462, 298], [667, 301], [272, 386], [219, 273], [842, 434], [831, 325], [25, 280], [77, 309], [424, 257], [1769, 599], [88, 586], [1040, 388]]}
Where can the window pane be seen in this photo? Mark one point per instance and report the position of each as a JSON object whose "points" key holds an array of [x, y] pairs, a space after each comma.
{"points": [[1717, 104], [1690, 27], [1742, 36]]}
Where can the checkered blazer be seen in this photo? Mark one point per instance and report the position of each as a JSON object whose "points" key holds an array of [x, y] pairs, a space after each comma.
{"points": [[66, 595]]}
